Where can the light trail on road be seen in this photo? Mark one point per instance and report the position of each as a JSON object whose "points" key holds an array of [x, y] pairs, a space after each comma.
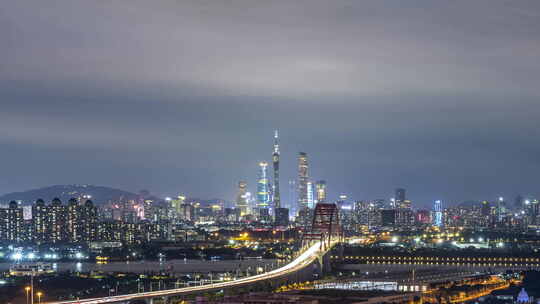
{"points": [[302, 261]]}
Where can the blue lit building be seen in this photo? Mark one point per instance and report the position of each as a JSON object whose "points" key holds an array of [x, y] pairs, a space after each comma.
{"points": [[310, 198], [263, 191], [437, 213]]}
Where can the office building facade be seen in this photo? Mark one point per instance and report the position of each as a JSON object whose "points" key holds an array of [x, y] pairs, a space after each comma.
{"points": [[303, 179], [275, 162], [263, 191]]}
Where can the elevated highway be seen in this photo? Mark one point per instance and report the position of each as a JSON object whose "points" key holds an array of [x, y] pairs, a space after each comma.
{"points": [[310, 255]]}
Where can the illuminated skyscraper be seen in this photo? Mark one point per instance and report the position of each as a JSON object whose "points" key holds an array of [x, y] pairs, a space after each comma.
{"points": [[343, 202], [250, 203], [241, 198], [400, 194], [263, 194], [175, 206], [401, 201], [437, 214], [292, 202], [501, 209], [310, 198], [320, 188], [403, 208], [303, 179], [275, 160]]}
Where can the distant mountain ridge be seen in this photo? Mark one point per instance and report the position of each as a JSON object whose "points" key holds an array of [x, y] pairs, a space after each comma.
{"points": [[100, 194]]}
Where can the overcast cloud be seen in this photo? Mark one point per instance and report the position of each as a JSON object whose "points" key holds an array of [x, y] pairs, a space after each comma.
{"points": [[439, 97]]}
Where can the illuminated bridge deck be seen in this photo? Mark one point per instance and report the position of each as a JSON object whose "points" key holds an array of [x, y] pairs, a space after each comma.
{"points": [[305, 259]]}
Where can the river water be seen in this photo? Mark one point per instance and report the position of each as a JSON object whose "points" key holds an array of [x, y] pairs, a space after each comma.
{"points": [[174, 266]]}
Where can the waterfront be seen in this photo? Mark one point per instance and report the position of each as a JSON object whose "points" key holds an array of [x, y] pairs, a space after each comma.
{"points": [[171, 266]]}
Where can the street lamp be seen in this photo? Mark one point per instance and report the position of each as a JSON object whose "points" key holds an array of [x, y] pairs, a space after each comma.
{"points": [[32, 287], [27, 289], [39, 294]]}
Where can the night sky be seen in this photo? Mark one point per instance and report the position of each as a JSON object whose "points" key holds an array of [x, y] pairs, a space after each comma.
{"points": [[439, 97]]}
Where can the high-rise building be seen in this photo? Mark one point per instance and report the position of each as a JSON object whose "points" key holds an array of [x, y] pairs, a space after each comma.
{"points": [[231, 215], [81, 220], [320, 188], [39, 221], [406, 204], [175, 206], [437, 213], [485, 209], [57, 221], [393, 203], [404, 217], [310, 195], [380, 203], [388, 217], [282, 217], [275, 161], [344, 203], [305, 218], [368, 213], [423, 217], [400, 194], [264, 215], [518, 202], [12, 223], [187, 212], [263, 195], [88, 221], [401, 201], [292, 203], [73, 220], [241, 198], [250, 203], [50, 222], [303, 179], [533, 210], [501, 209], [129, 216]]}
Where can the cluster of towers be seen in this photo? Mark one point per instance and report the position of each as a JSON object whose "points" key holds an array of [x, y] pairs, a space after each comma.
{"points": [[268, 198], [268, 194], [308, 194], [54, 222], [267, 202]]}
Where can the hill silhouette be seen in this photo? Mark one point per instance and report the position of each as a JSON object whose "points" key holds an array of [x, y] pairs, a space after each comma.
{"points": [[100, 194]]}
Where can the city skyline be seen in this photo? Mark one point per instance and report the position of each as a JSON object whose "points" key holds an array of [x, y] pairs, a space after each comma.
{"points": [[265, 190], [188, 102], [303, 164]]}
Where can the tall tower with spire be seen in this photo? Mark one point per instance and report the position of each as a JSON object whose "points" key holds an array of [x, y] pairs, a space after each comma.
{"points": [[275, 160]]}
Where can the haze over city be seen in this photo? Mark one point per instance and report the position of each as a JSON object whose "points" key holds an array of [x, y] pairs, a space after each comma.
{"points": [[183, 97]]}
